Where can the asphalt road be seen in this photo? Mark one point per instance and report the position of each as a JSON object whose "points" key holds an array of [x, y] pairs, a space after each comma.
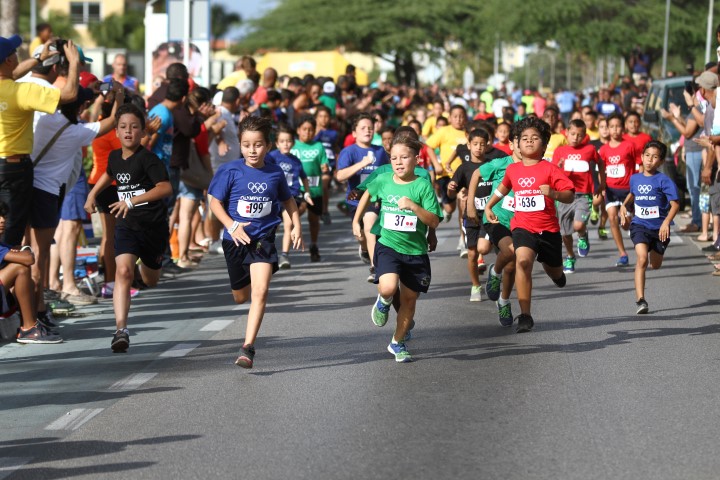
{"points": [[595, 391]]}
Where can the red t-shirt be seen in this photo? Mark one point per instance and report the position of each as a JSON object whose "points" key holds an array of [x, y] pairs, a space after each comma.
{"points": [[202, 141], [503, 147], [639, 140], [349, 140], [534, 211], [619, 163], [575, 162], [424, 157]]}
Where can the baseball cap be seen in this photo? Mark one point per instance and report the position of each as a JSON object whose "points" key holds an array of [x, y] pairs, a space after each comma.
{"points": [[83, 58], [86, 78], [707, 80], [8, 46], [329, 87], [50, 60]]}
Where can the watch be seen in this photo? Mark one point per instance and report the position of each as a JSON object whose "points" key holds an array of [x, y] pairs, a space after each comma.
{"points": [[37, 57]]}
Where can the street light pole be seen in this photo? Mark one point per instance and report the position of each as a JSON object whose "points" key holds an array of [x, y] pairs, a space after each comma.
{"points": [[708, 41], [665, 40]]}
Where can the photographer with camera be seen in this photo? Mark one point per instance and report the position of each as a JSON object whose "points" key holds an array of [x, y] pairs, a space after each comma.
{"points": [[19, 101]]}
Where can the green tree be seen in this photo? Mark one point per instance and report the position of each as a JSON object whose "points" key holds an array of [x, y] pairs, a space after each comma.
{"points": [[221, 21], [120, 31]]}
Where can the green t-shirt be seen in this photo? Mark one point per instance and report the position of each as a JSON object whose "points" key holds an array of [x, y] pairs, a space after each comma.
{"points": [[494, 172], [329, 102], [376, 140], [312, 155], [402, 230]]}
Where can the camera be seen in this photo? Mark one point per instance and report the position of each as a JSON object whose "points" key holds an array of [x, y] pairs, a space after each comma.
{"points": [[60, 47]]}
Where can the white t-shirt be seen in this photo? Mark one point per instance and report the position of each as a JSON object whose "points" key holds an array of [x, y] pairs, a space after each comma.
{"points": [[230, 135], [498, 105], [57, 165], [39, 81]]}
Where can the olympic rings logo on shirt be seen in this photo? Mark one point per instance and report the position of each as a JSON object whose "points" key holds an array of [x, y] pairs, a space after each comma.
{"points": [[393, 198], [286, 167], [644, 189], [575, 156], [526, 182], [123, 177], [614, 159], [257, 187]]}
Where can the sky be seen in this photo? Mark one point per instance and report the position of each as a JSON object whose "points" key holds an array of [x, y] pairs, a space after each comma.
{"points": [[248, 9]]}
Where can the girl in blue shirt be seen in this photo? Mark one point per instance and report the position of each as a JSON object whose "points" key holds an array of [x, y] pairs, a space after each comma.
{"points": [[246, 197], [656, 204]]}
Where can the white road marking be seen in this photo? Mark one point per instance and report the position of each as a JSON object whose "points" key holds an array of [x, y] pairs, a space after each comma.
{"points": [[131, 382], [8, 465], [244, 306], [180, 350], [74, 419], [216, 325]]}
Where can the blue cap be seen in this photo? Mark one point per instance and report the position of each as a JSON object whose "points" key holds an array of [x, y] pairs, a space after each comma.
{"points": [[8, 46], [83, 58]]}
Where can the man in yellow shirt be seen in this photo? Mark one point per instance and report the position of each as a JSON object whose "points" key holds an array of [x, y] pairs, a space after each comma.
{"points": [[44, 33], [18, 103], [438, 108]]}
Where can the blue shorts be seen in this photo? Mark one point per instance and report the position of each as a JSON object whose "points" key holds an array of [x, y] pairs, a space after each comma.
{"points": [[186, 191], [45, 209], [640, 234], [149, 245], [615, 197], [72, 207], [413, 270], [240, 257]]}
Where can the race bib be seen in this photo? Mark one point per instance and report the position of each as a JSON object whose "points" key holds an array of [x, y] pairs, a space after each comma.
{"points": [[400, 222], [529, 203], [508, 204], [615, 171], [254, 209], [481, 202], [647, 212], [131, 193], [289, 177], [314, 181], [576, 166]]}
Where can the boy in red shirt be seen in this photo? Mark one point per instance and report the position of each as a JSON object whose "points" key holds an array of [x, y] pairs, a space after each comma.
{"points": [[577, 160], [535, 229]]}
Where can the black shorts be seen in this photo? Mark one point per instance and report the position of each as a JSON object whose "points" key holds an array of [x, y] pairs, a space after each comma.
{"points": [[443, 183], [372, 208], [497, 231], [105, 198], [640, 234], [317, 209], [414, 270], [547, 245], [473, 233], [45, 211], [615, 197], [148, 245], [239, 258]]}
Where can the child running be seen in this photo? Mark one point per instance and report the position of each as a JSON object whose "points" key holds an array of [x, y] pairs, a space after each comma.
{"points": [[408, 208], [619, 159], [295, 176], [329, 139], [246, 196], [141, 231], [315, 163], [535, 229], [577, 159], [656, 203]]}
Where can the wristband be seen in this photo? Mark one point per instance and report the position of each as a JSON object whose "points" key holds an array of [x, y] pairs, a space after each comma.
{"points": [[129, 204], [26, 247], [498, 194], [233, 227], [307, 195]]}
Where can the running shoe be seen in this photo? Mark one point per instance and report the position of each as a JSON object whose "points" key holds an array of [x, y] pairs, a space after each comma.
{"points": [[476, 293], [325, 217], [379, 313], [461, 244], [493, 284], [400, 351], [525, 323], [710, 248], [560, 282], [61, 307], [50, 295], [642, 306], [284, 261], [47, 320], [107, 292], [594, 216], [463, 252], [583, 246], [409, 334], [447, 217], [314, 253], [622, 261], [37, 334], [371, 277], [79, 299], [246, 357], [602, 233], [481, 265], [120, 341], [216, 247], [364, 255], [569, 265], [505, 314]]}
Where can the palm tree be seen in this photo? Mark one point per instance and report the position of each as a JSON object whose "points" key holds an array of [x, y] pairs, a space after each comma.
{"points": [[9, 15], [222, 21]]}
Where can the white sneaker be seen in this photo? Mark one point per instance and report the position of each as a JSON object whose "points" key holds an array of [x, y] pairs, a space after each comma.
{"points": [[461, 244], [216, 247], [463, 253]]}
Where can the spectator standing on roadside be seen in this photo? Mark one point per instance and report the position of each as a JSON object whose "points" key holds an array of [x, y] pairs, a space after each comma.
{"points": [[120, 75]]}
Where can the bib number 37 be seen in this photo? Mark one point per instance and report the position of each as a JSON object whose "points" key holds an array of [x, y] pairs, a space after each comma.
{"points": [[400, 222]]}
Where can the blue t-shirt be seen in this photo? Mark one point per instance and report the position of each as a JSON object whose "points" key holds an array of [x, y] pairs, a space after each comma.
{"points": [[652, 199], [4, 250], [251, 195], [291, 167], [353, 154], [163, 145], [566, 101], [328, 138]]}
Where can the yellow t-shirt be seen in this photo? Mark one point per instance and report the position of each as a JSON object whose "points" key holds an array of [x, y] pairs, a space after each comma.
{"points": [[447, 138], [34, 44], [231, 80], [18, 103], [556, 140], [593, 134]]}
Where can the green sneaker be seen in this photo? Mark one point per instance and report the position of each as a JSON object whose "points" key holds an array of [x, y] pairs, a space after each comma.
{"points": [[400, 351], [505, 314], [476, 293], [583, 246], [380, 312], [594, 216], [602, 233], [493, 284], [569, 265]]}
